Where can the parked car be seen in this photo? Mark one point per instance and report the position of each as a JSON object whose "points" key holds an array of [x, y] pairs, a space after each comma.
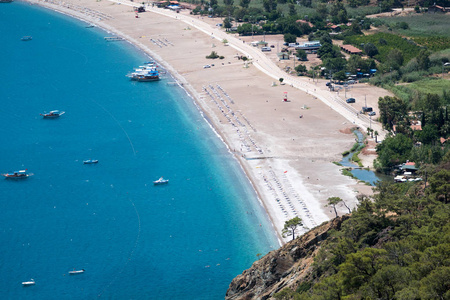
{"points": [[206, 66], [366, 109], [350, 100], [372, 113]]}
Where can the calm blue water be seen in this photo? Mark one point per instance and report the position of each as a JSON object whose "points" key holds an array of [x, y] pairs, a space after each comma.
{"points": [[185, 240], [362, 174]]}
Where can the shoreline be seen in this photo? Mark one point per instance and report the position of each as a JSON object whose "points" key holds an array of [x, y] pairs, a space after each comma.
{"points": [[281, 175]]}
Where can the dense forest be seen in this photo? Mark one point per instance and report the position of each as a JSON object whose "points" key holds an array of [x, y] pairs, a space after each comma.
{"points": [[395, 245]]}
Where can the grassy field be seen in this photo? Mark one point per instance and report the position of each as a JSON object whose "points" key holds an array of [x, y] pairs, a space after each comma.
{"points": [[425, 86], [431, 86], [424, 25]]}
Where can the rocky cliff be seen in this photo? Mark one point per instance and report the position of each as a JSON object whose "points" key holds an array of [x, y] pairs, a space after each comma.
{"points": [[285, 267]]}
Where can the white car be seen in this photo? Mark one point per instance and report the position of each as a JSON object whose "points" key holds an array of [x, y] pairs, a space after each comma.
{"points": [[206, 66]]}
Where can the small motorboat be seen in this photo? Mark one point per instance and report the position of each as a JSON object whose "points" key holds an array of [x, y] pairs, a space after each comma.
{"points": [[161, 181], [26, 38], [53, 114], [90, 161], [28, 283], [76, 272], [17, 174]]}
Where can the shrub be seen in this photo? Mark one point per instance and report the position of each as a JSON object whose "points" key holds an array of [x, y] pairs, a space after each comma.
{"points": [[413, 76], [213, 55]]}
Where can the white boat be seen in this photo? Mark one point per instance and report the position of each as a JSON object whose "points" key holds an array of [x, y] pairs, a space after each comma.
{"points": [[26, 38], [76, 272], [161, 181], [147, 72], [90, 161], [28, 283]]}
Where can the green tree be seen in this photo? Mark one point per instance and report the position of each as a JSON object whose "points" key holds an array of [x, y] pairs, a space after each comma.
{"points": [[394, 59], [270, 5], [394, 150], [322, 10], [213, 3], [436, 285], [428, 134], [370, 49], [244, 3], [392, 111], [359, 267], [227, 24], [213, 55], [244, 29], [355, 28], [291, 226], [333, 201], [292, 10], [423, 59], [289, 38], [440, 185], [387, 281], [300, 69], [340, 76], [301, 54], [335, 64]]}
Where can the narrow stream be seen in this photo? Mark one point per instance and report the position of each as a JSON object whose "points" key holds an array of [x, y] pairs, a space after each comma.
{"points": [[362, 174]]}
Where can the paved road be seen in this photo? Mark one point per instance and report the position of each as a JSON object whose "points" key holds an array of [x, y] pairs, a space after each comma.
{"points": [[267, 66]]}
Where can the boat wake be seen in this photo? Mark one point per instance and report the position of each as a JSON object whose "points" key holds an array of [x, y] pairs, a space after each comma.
{"points": [[130, 256], [118, 123]]}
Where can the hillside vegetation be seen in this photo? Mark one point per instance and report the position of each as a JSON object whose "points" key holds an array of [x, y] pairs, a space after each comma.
{"points": [[395, 245]]}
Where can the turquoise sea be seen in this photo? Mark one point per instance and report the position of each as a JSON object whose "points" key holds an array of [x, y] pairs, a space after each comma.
{"points": [[184, 240]]}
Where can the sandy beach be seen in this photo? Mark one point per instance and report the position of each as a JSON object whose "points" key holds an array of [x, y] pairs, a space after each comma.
{"points": [[285, 147]]}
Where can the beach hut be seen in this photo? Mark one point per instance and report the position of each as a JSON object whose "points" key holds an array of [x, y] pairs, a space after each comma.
{"points": [[283, 56]]}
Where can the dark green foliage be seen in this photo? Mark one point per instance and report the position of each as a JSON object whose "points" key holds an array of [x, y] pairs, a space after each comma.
{"points": [[244, 3], [300, 69], [292, 10], [269, 5], [394, 246], [290, 38], [434, 43], [370, 49], [423, 59], [394, 150], [291, 226], [213, 55], [390, 42], [301, 54], [394, 59], [357, 64], [392, 111]]}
